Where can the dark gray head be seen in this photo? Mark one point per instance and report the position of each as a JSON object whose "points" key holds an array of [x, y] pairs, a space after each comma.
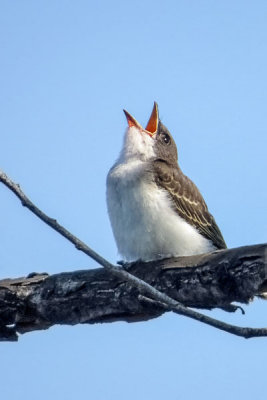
{"points": [[165, 147], [153, 142]]}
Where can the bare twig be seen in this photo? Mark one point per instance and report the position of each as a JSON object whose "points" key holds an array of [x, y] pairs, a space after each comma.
{"points": [[168, 302]]}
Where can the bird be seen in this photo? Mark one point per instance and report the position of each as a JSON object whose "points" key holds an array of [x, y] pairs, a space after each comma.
{"points": [[155, 210]]}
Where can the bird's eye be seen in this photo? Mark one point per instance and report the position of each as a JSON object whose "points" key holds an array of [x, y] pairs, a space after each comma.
{"points": [[166, 138]]}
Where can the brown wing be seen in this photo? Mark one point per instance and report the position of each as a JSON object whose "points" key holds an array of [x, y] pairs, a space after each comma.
{"points": [[188, 201]]}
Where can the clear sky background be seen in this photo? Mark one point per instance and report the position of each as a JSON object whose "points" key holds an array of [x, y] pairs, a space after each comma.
{"points": [[68, 68]]}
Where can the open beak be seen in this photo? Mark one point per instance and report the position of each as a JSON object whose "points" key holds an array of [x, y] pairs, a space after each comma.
{"points": [[152, 125]]}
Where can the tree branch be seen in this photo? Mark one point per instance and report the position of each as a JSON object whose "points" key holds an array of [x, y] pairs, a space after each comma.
{"points": [[33, 303]]}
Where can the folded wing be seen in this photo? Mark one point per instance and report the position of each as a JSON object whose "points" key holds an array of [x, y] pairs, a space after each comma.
{"points": [[188, 201]]}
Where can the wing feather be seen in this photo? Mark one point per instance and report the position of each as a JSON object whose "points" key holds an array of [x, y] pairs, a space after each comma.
{"points": [[188, 201]]}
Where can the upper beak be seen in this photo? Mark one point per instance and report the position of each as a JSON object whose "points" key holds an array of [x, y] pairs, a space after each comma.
{"points": [[152, 124]]}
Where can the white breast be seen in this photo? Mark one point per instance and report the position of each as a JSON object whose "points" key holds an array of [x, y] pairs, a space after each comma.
{"points": [[144, 223]]}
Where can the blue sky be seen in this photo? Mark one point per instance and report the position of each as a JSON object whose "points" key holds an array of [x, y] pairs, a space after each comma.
{"points": [[67, 71]]}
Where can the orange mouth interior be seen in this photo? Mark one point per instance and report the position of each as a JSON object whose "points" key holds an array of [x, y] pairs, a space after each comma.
{"points": [[152, 125]]}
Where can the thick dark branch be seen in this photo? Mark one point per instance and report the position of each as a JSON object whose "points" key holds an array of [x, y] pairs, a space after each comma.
{"points": [[123, 277], [213, 280]]}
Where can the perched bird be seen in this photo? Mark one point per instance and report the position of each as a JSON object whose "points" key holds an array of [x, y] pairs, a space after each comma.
{"points": [[155, 210]]}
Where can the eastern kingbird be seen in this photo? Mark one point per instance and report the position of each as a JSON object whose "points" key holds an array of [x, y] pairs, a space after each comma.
{"points": [[155, 210]]}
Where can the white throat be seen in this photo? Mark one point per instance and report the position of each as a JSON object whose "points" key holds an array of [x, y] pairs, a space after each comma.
{"points": [[137, 145]]}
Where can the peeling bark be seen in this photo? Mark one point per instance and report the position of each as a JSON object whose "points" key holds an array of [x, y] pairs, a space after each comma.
{"points": [[204, 281]]}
